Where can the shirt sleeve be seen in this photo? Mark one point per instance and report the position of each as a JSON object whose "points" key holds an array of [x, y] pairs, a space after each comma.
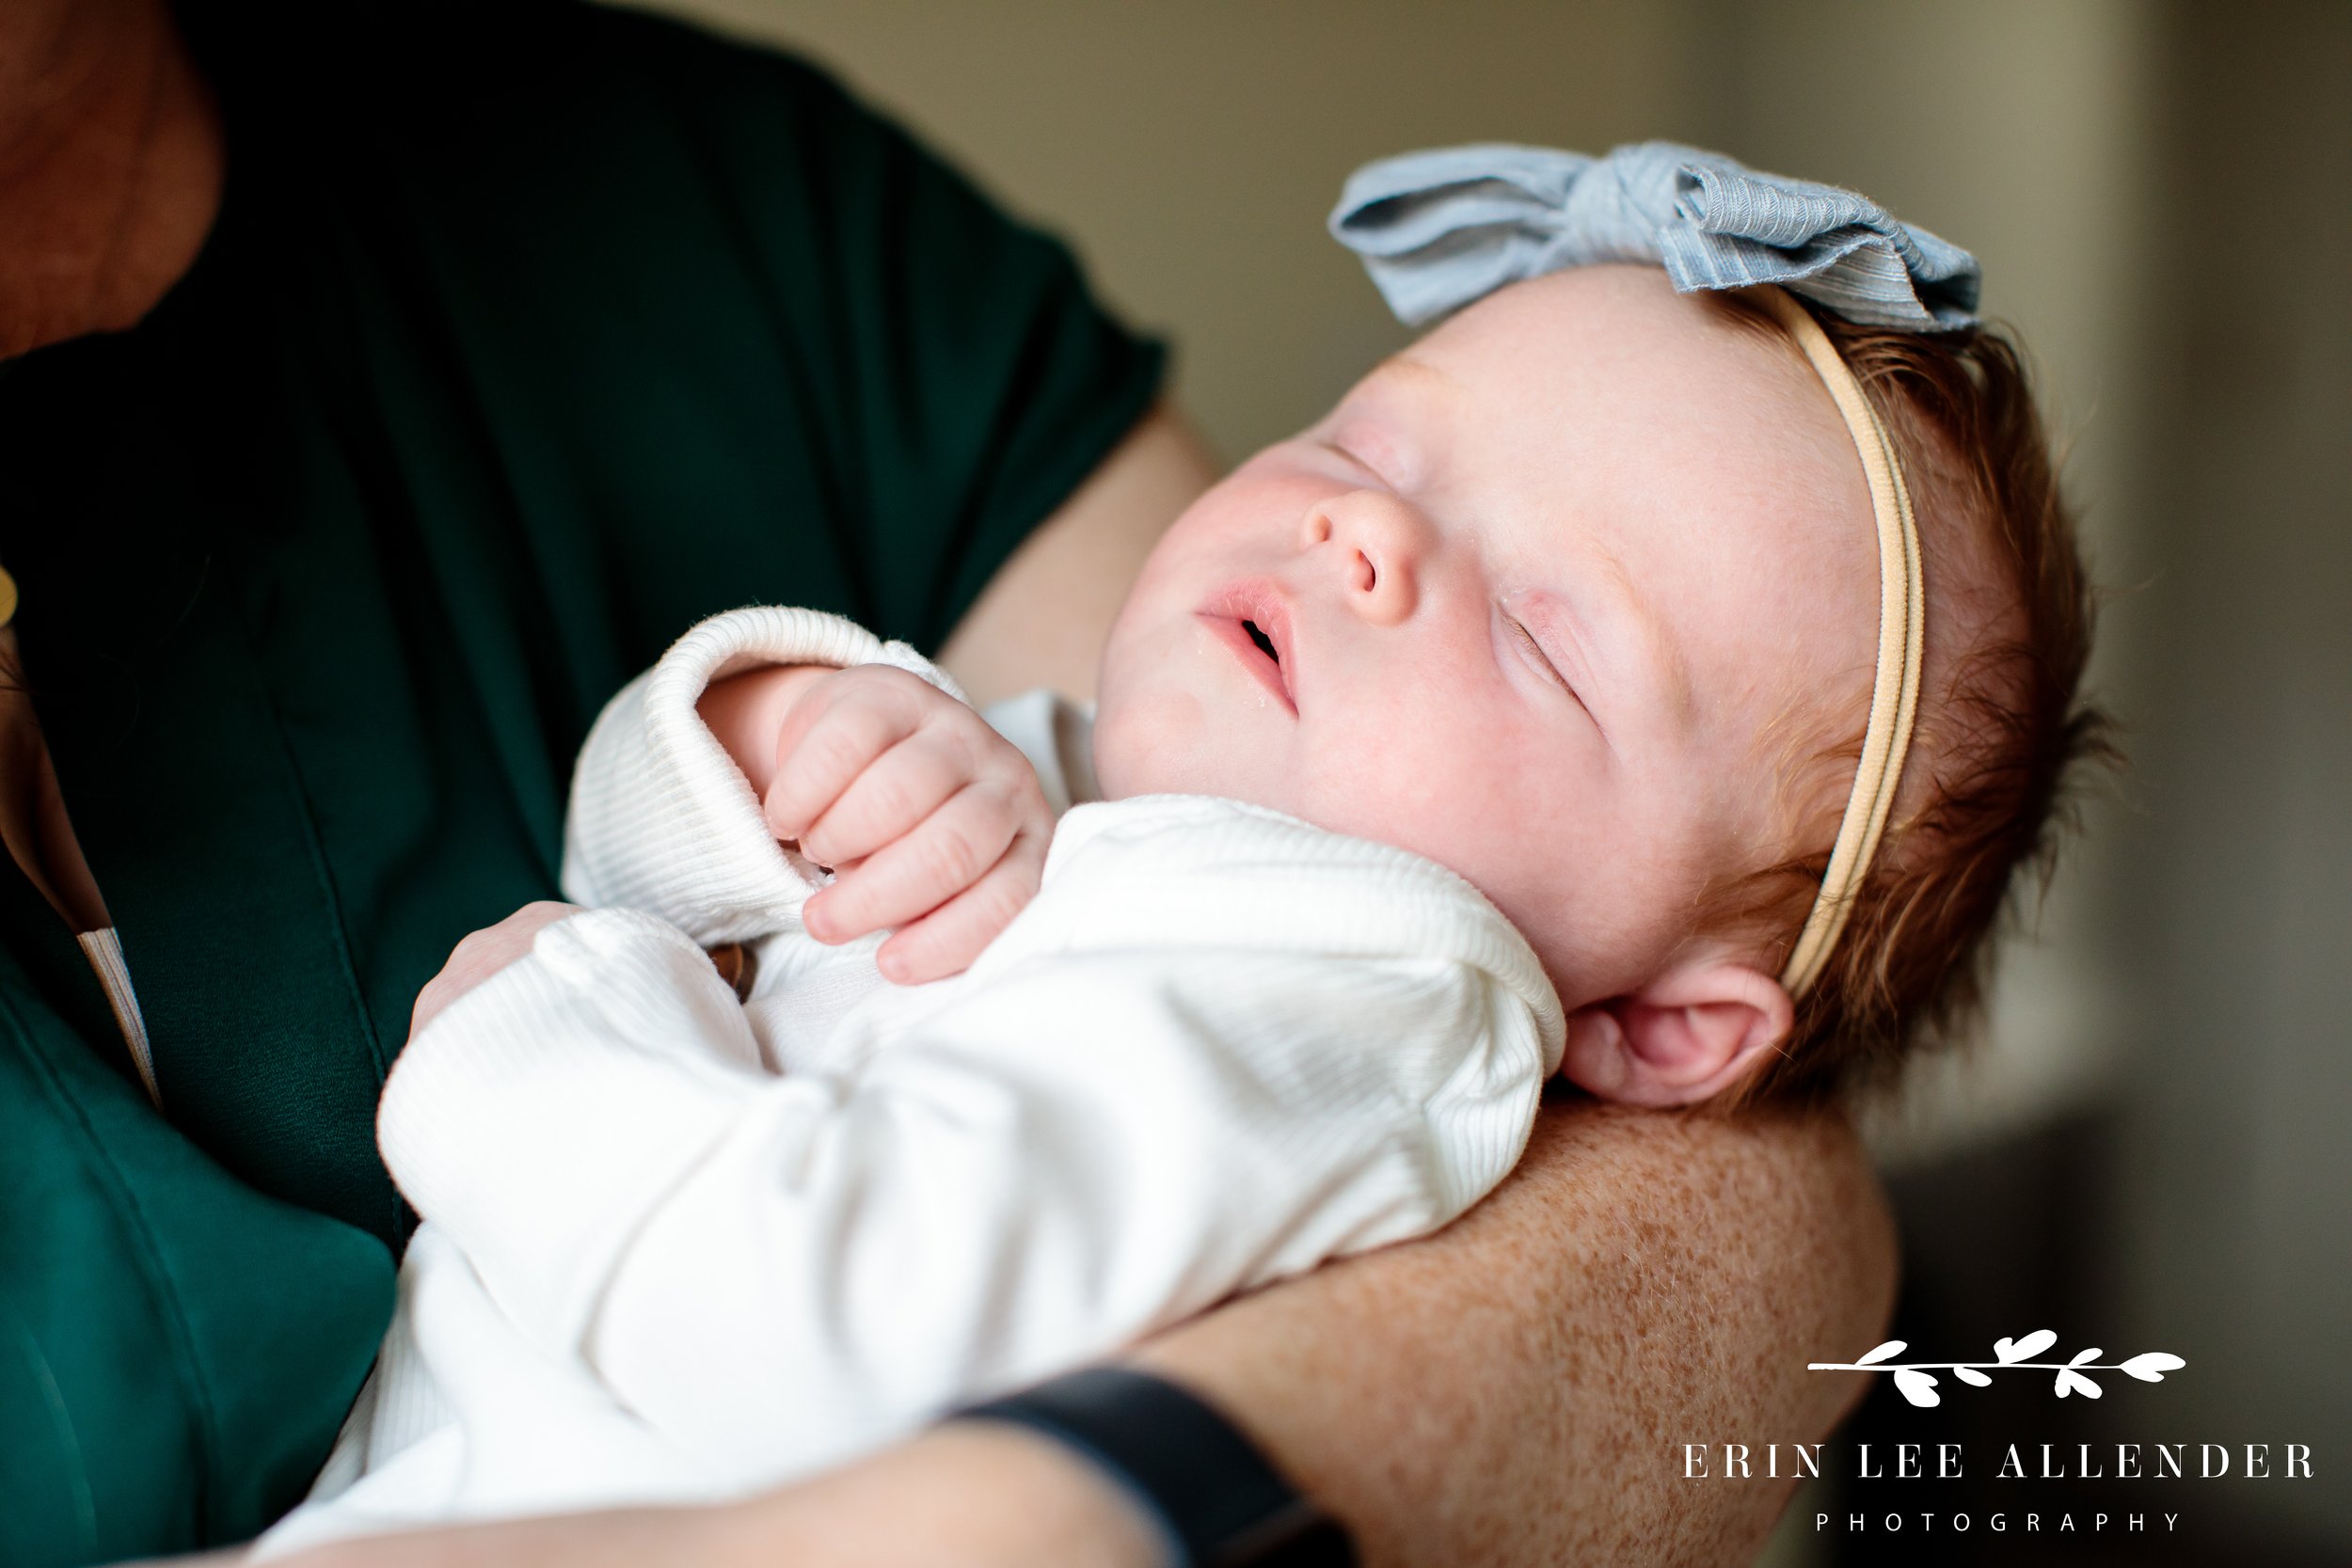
{"points": [[968, 379], [1066, 1152], [661, 819]]}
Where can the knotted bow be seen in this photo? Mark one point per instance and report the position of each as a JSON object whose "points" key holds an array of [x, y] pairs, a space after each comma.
{"points": [[1441, 229]]}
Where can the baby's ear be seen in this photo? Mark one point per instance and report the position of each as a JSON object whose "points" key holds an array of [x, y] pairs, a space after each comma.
{"points": [[1684, 1037]]}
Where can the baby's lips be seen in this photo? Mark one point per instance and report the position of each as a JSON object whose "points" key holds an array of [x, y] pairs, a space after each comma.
{"points": [[1234, 631], [1258, 604]]}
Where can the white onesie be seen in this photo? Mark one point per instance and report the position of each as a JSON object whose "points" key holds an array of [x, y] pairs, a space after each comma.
{"points": [[678, 1246]]}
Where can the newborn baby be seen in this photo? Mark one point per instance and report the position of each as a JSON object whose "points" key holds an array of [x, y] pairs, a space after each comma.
{"points": [[1504, 722]]}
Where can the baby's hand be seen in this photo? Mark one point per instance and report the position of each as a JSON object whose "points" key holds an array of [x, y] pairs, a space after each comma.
{"points": [[932, 823], [483, 954]]}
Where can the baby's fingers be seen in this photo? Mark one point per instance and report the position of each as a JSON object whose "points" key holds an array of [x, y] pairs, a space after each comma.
{"points": [[893, 796], [829, 739], [954, 847], [946, 941]]}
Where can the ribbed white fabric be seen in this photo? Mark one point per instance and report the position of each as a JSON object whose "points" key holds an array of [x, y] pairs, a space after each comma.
{"points": [[661, 819], [1219, 1047]]}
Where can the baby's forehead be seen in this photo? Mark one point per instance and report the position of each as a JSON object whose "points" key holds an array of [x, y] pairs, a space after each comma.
{"points": [[1603, 388], [1624, 324]]}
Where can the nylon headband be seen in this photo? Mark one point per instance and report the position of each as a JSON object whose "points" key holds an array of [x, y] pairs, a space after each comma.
{"points": [[1902, 622]]}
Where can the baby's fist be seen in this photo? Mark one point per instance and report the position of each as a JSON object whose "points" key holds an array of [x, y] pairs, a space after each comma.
{"points": [[932, 823], [483, 954]]}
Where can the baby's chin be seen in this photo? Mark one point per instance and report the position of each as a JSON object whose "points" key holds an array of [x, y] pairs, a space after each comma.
{"points": [[1125, 777]]}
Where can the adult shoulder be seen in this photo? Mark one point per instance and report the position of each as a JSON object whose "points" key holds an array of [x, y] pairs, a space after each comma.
{"points": [[700, 276]]}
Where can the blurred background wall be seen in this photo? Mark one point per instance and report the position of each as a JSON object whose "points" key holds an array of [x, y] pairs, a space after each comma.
{"points": [[2153, 1148]]}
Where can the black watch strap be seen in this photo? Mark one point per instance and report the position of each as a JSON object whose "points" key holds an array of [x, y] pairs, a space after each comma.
{"points": [[1216, 1497]]}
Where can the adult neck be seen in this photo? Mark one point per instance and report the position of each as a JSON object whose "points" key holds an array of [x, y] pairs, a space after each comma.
{"points": [[111, 162]]}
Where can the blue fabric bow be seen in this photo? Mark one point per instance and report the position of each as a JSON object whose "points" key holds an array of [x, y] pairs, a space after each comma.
{"points": [[1439, 229]]}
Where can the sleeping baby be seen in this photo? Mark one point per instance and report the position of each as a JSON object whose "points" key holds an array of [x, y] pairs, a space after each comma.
{"points": [[1652, 677]]}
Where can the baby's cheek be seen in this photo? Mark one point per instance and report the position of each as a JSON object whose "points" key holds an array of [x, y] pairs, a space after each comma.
{"points": [[1146, 740], [1385, 784], [1474, 797]]}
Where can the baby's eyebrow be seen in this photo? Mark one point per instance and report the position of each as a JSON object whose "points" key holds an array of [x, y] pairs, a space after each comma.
{"points": [[1409, 407], [1402, 364]]}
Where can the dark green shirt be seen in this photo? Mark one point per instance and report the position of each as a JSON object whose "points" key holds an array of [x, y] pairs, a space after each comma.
{"points": [[528, 335]]}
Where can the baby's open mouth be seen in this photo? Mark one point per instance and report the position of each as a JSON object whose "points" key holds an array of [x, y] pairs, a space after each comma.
{"points": [[1256, 638]]}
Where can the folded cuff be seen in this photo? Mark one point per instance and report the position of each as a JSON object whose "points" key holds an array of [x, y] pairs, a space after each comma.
{"points": [[662, 820]]}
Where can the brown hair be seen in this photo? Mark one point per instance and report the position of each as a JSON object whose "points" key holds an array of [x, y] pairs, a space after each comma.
{"points": [[2002, 731]]}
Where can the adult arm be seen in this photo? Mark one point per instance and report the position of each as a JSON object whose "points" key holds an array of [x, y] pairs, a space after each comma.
{"points": [[1517, 1388], [1044, 617]]}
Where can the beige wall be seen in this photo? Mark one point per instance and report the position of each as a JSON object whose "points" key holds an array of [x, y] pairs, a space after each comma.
{"points": [[2234, 907]]}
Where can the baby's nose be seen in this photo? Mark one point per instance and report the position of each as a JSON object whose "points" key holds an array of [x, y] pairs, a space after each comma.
{"points": [[1377, 543]]}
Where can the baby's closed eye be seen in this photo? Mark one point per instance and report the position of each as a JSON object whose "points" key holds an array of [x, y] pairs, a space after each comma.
{"points": [[1535, 651], [1531, 648]]}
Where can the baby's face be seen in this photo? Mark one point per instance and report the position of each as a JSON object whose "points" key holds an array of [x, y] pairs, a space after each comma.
{"points": [[1526, 603]]}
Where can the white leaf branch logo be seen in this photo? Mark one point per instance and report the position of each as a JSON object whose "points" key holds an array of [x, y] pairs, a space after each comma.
{"points": [[1915, 1380]]}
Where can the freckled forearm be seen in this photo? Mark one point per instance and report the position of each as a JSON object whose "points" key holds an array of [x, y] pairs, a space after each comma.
{"points": [[973, 1493], [1515, 1389]]}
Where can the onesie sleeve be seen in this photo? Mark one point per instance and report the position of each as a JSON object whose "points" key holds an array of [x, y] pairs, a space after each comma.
{"points": [[661, 819], [1110, 1124]]}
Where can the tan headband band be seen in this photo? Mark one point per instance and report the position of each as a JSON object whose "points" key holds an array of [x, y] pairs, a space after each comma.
{"points": [[1902, 620]]}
